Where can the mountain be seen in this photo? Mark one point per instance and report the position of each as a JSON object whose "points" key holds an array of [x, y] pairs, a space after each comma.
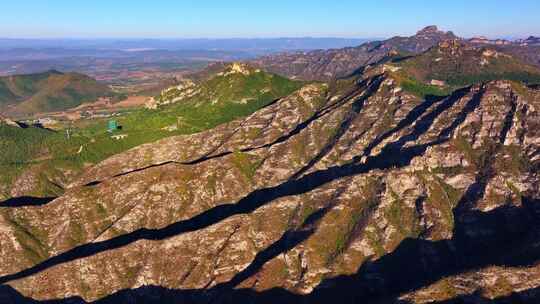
{"points": [[232, 91], [331, 64], [236, 82], [357, 191], [38, 162], [252, 46], [532, 40], [47, 92], [335, 63], [454, 63], [526, 50]]}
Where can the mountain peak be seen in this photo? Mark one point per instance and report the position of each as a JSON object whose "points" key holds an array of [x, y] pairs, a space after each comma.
{"points": [[239, 67], [428, 29], [433, 31], [532, 40]]}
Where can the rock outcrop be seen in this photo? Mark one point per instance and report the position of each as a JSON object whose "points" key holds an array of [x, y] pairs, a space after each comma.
{"points": [[355, 192], [337, 63], [327, 65]]}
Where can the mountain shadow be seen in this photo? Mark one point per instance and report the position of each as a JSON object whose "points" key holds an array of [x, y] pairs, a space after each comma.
{"points": [[393, 155], [26, 201], [530, 296], [509, 238]]}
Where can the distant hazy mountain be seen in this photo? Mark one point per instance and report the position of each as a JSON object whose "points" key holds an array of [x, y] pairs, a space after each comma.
{"points": [[114, 59], [232, 44], [336, 63], [329, 64]]}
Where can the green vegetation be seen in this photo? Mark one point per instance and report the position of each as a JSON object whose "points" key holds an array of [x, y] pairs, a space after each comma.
{"points": [[459, 66], [221, 99], [418, 88], [19, 145], [445, 198], [464, 146], [34, 250], [518, 76], [514, 189], [246, 163], [373, 236], [90, 143], [49, 91], [516, 162], [423, 90]]}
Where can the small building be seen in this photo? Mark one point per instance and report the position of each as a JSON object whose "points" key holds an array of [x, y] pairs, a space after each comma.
{"points": [[119, 136], [438, 83], [112, 126]]}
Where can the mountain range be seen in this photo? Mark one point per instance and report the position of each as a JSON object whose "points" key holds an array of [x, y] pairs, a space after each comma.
{"points": [[326, 65], [400, 171]]}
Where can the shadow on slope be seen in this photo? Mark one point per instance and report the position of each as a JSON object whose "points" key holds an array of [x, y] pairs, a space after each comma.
{"points": [[392, 156], [531, 296], [298, 128], [26, 201], [508, 236]]}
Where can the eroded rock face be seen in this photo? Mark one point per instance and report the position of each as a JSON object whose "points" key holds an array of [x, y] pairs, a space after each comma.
{"points": [[360, 193], [326, 65], [337, 63]]}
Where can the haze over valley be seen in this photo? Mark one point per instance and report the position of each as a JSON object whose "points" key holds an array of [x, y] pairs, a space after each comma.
{"points": [[296, 170]]}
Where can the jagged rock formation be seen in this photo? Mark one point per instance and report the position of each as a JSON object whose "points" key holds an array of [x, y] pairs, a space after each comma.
{"points": [[331, 64], [484, 40], [357, 191], [458, 64]]}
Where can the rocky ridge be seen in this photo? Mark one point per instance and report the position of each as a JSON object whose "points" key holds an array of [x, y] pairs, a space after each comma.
{"points": [[355, 191], [326, 65], [331, 64]]}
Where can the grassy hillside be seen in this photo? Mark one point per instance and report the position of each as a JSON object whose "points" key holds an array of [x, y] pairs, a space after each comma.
{"points": [[20, 145], [19, 87], [49, 91], [90, 142], [236, 91]]}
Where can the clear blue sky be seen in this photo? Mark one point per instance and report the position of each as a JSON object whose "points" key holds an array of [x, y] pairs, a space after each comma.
{"points": [[264, 18]]}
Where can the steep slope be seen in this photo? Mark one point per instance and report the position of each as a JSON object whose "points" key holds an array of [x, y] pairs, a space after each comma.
{"points": [[361, 192], [331, 64], [26, 167], [49, 91], [42, 161], [234, 91], [235, 82], [21, 86], [527, 50], [455, 63]]}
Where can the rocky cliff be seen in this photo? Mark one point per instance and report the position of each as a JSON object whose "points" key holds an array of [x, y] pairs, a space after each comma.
{"points": [[354, 192], [336, 63], [327, 65]]}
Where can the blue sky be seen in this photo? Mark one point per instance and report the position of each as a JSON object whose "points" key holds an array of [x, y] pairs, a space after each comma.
{"points": [[262, 18]]}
